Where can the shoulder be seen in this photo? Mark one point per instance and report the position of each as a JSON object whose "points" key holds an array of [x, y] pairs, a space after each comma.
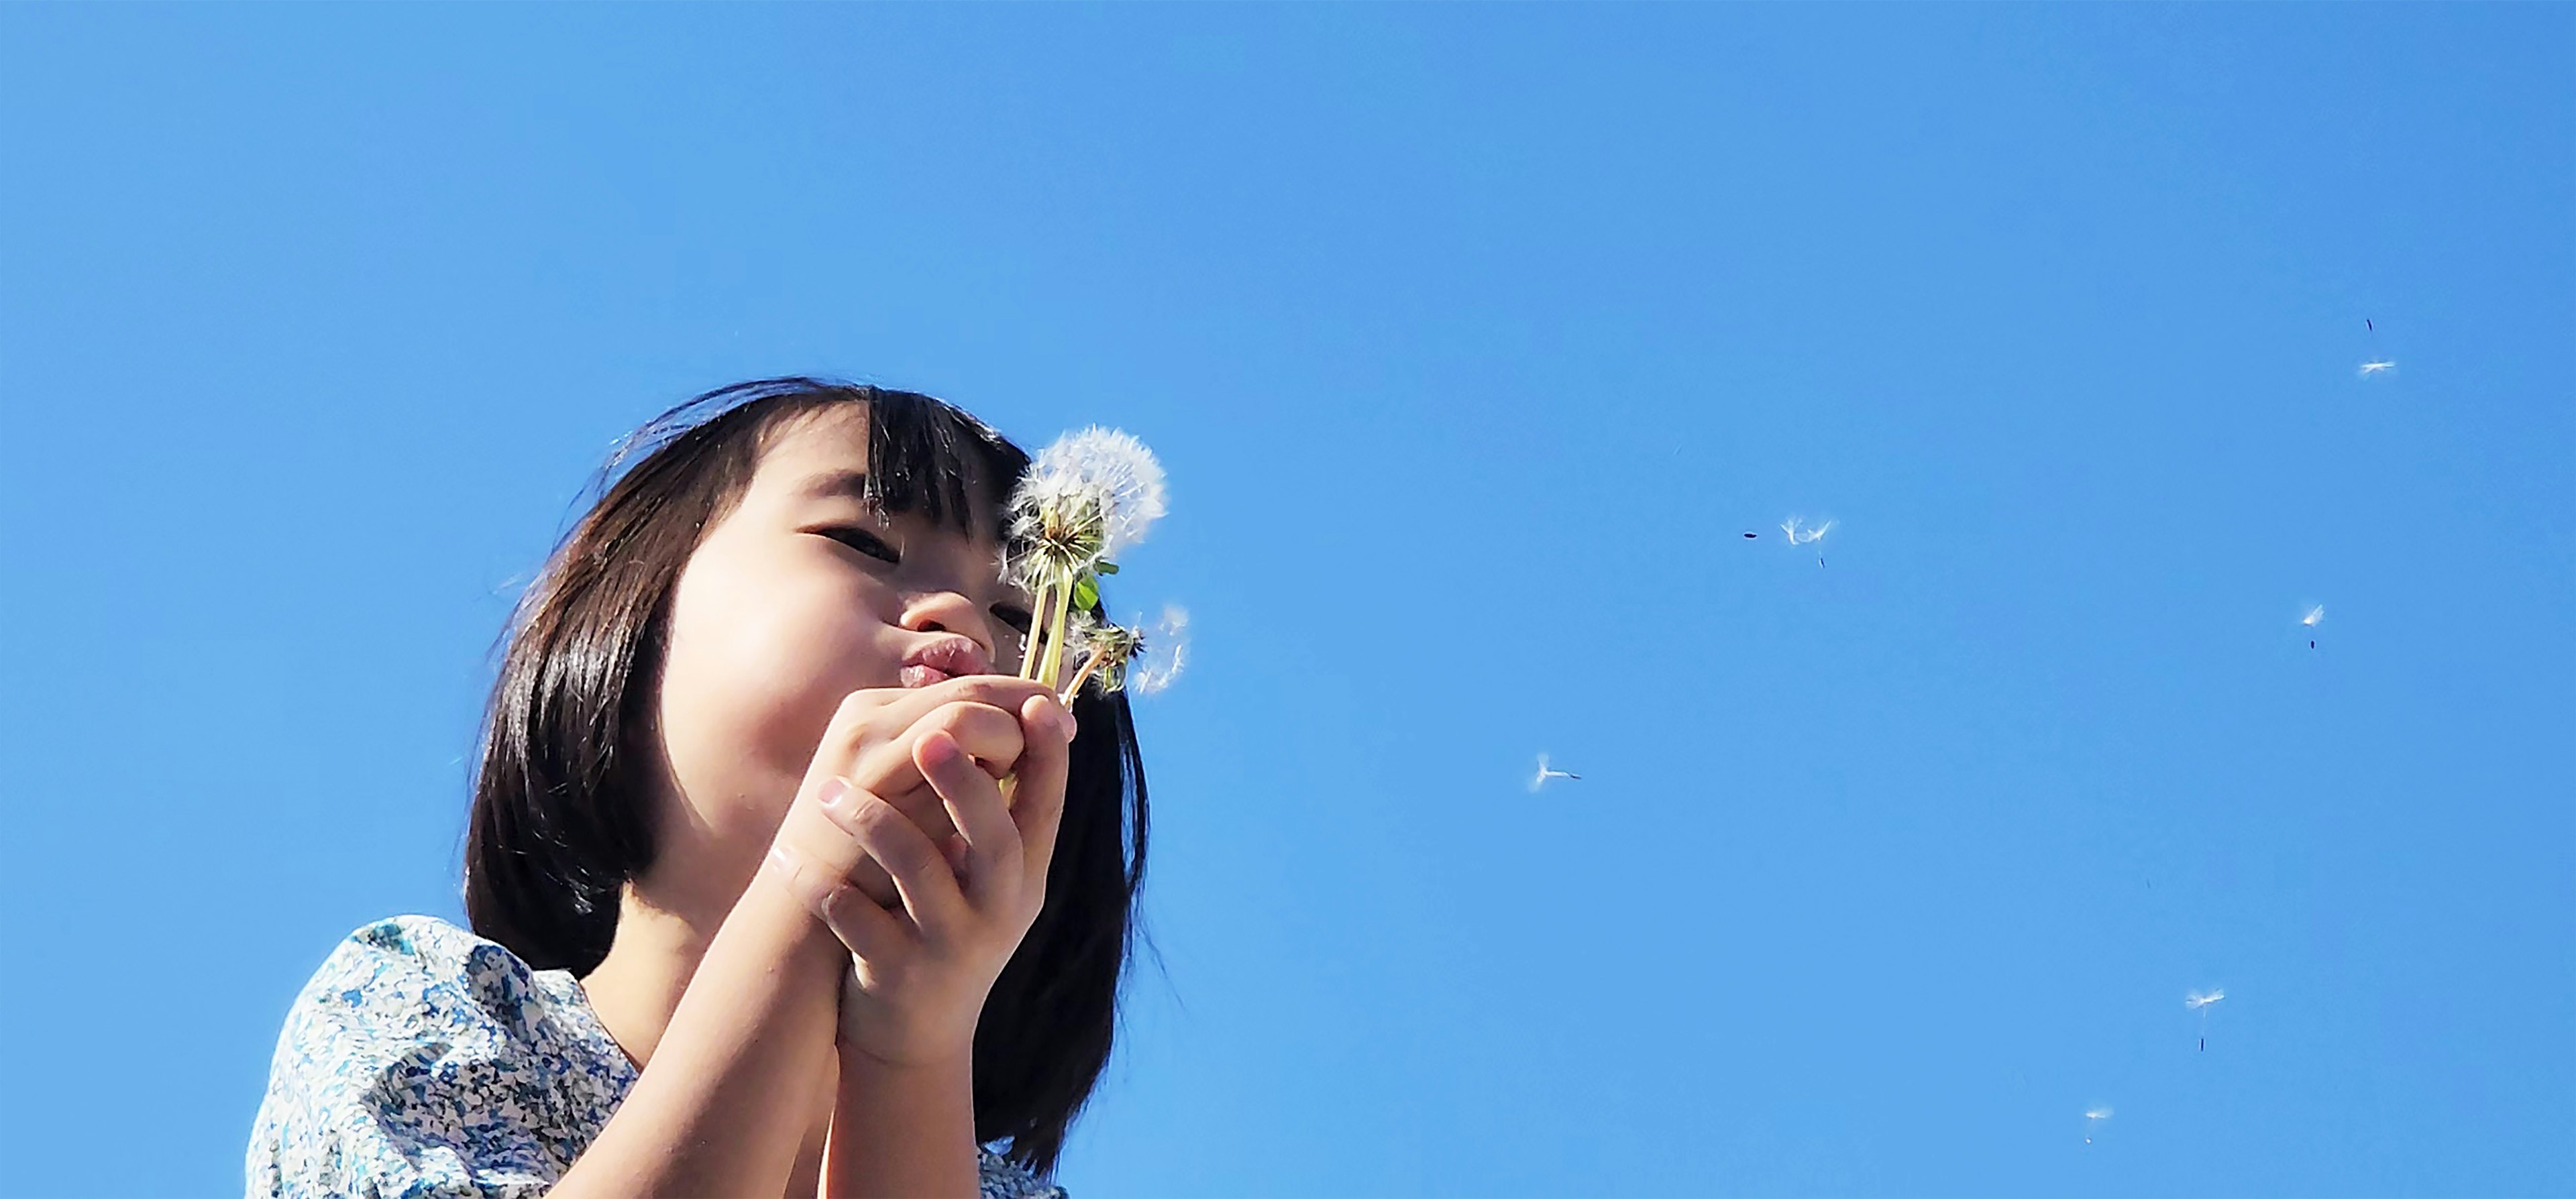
{"points": [[404, 963], [1003, 1178], [419, 1049]]}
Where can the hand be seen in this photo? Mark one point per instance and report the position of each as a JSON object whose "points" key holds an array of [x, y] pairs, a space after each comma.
{"points": [[869, 745], [919, 974]]}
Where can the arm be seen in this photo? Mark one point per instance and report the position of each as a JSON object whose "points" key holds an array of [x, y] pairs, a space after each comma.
{"points": [[902, 1130], [725, 1102], [727, 1099]]}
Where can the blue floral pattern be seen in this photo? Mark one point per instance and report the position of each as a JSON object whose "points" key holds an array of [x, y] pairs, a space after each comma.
{"points": [[424, 1062]]}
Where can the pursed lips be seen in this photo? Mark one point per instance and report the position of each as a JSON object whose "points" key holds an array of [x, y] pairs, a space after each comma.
{"points": [[942, 660]]}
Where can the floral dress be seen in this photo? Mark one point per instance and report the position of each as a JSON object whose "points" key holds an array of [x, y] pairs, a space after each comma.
{"points": [[425, 1062]]}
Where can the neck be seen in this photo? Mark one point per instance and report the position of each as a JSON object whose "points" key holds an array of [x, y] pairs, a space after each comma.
{"points": [[638, 985]]}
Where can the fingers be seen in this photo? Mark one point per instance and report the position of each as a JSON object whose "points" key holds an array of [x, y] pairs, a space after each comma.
{"points": [[989, 735], [866, 929], [886, 707], [990, 861], [921, 873], [1037, 801]]}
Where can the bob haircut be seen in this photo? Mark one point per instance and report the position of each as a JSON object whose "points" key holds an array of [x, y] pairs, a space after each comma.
{"points": [[561, 817]]}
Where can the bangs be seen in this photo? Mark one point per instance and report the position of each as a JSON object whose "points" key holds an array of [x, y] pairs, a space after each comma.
{"points": [[925, 455], [928, 456]]}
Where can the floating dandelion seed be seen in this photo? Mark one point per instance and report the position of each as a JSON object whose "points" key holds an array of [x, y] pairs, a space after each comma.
{"points": [[1806, 536], [2377, 367], [2094, 1118], [2200, 1002], [2315, 615], [1158, 660], [1540, 779]]}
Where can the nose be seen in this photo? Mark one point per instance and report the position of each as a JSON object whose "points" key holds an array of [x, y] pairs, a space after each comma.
{"points": [[949, 612]]}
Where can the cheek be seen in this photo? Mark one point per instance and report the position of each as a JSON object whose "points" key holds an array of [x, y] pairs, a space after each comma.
{"points": [[759, 659]]}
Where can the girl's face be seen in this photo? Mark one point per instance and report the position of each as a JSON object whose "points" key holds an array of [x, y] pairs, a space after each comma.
{"points": [[800, 595]]}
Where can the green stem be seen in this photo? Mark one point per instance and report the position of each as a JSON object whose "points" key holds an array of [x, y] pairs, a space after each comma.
{"points": [[1055, 630], [1083, 675], [1037, 632]]}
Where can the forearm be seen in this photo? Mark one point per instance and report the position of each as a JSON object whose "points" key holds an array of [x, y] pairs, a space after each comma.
{"points": [[902, 1130], [726, 1099]]}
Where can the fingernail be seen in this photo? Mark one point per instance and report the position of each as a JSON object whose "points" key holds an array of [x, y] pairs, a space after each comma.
{"points": [[838, 797], [939, 749]]}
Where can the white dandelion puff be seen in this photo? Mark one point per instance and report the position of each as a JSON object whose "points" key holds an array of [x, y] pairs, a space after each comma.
{"points": [[1107, 469], [2094, 1118], [2377, 367], [2315, 615], [1540, 779]]}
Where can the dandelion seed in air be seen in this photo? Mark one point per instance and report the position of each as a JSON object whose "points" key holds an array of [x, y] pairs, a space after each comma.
{"points": [[2377, 367], [1540, 779], [2094, 1119], [2200, 1002], [2314, 616], [1807, 535]]}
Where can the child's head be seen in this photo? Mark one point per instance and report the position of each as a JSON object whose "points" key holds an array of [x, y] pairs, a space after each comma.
{"points": [[774, 546]]}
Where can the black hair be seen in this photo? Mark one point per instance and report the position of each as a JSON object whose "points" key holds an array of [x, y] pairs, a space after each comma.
{"points": [[561, 817]]}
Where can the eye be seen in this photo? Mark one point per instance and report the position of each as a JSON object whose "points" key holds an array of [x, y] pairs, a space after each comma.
{"points": [[1017, 618], [863, 541]]}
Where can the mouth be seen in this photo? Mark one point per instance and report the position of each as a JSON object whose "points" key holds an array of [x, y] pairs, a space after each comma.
{"points": [[922, 676], [940, 660]]}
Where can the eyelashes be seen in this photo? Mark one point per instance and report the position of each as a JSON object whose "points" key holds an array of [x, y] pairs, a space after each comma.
{"points": [[865, 542], [1017, 618]]}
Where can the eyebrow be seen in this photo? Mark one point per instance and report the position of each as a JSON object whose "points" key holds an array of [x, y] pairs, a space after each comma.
{"points": [[851, 483]]}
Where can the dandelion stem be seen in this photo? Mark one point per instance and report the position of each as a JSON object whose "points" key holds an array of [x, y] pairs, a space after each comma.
{"points": [[1083, 675], [1055, 629], [1037, 632]]}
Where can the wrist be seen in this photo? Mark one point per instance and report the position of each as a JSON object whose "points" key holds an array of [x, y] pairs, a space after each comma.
{"points": [[784, 893], [902, 1128]]}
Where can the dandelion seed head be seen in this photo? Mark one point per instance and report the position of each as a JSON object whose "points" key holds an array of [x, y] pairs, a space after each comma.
{"points": [[1060, 527], [2314, 616], [1104, 471], [2198, 1000]]}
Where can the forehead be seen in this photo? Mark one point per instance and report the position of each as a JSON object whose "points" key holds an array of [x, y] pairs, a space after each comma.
{"points": [[823, 454], [813, 443]]}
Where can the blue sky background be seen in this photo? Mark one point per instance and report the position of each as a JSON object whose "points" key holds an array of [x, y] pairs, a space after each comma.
{"points": [[1473, 339]]}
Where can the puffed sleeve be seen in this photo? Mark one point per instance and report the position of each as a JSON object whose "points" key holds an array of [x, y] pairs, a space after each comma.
{"points": [[1002, 1178], [415, 1064]]}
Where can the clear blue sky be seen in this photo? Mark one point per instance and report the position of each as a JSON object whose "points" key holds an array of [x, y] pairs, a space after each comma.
{"points": [[1473, 339]]}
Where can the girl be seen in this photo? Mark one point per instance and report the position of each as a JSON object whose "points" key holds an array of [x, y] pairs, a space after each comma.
{"points": [[754, 909]]}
